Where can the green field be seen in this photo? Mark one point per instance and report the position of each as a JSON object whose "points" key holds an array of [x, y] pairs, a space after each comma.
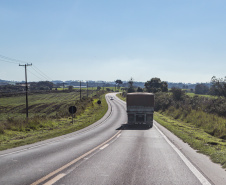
{"points": [[48, 116], [204, 95], [51, 104]]}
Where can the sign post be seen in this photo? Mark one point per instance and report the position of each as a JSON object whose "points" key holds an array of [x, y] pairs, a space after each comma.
{"points": [[72, 110]]}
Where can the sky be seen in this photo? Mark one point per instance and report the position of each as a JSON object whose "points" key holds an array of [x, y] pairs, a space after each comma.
{"points": [[174, 40]]}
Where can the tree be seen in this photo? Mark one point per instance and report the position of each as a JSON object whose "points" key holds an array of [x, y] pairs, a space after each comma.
{"points": [[98, 88], [164, 86], [139, 89], [156, 85], [131, 87], [218, 86], [118, 83], [201, 89], [42, 85], [70, 87], [178, 94]]}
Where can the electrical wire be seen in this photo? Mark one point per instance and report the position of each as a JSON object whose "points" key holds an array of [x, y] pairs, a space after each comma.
{"points": [[16, 61], [42, 76], [34, 74], [35, 68], [8, 61], [41, 73]]}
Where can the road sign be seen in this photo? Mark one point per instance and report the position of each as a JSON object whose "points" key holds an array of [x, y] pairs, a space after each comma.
{"points": [[99, 102], [72, 109]]}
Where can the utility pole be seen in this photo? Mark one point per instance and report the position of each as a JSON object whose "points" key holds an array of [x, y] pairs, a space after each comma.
{"points": [[80, 90], [26, 87]]}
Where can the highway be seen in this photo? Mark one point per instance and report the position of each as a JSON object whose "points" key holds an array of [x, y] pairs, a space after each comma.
{"points": [[109, 152]]}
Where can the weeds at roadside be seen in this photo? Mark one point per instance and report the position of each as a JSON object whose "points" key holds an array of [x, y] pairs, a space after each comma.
{"points": [[197, 138]]}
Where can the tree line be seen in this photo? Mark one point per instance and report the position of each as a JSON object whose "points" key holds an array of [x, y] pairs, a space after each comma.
{"points": [[217, 88], [154, 85]]}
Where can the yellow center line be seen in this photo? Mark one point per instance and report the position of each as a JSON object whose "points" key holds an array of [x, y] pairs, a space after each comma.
{"points": [[73, 161], [55, 179]]}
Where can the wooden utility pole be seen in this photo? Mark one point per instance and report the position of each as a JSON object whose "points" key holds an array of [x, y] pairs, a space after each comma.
{"points": [[26, 87]]}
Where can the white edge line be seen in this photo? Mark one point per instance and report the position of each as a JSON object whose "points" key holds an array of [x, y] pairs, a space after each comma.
{"points": [[194, 170]]}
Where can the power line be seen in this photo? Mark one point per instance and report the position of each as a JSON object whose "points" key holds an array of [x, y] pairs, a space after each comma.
{"points": [[42, 76], [9, 61], [16, 61], [40, 72], [12, 59], [35, 75]]}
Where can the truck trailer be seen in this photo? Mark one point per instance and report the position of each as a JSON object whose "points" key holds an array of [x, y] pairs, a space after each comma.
{"points": [[140, 108]]}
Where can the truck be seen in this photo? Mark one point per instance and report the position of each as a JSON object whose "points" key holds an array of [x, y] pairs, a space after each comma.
{"points": [[140, 108]]}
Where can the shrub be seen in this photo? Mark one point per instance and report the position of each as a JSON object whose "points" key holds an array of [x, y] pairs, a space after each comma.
{"points": [[203, 112]]}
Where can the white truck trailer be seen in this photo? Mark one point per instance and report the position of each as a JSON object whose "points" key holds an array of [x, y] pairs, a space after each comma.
{"points": [[140, 108]]}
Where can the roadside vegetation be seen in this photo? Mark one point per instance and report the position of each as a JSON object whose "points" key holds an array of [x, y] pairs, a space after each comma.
{"points": [[48, 116], [199, 121]]}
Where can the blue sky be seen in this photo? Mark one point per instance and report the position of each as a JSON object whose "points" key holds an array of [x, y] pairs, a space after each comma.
{"points": [[175, 40]]}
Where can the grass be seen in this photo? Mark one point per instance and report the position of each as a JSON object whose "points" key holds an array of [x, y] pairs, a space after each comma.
{"points": [[52, 104], [121, 97], [210, 123], [198, 138], [16, 131], [204, 95]]}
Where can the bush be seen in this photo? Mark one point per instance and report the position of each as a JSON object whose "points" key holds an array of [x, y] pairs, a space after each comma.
{"points": [[203, 112]]}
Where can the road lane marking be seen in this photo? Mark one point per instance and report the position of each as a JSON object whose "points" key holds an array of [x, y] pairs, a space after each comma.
{"points": [[55, 179], [73, 161], [194, 170], [103, 147]]}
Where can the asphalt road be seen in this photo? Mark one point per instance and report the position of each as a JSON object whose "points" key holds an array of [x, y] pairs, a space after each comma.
{"points": [[109, 152]]}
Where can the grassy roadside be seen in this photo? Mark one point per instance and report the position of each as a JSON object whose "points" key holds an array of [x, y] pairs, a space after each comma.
{"points": [[197, 138], [121, 97], [54, 128]]}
